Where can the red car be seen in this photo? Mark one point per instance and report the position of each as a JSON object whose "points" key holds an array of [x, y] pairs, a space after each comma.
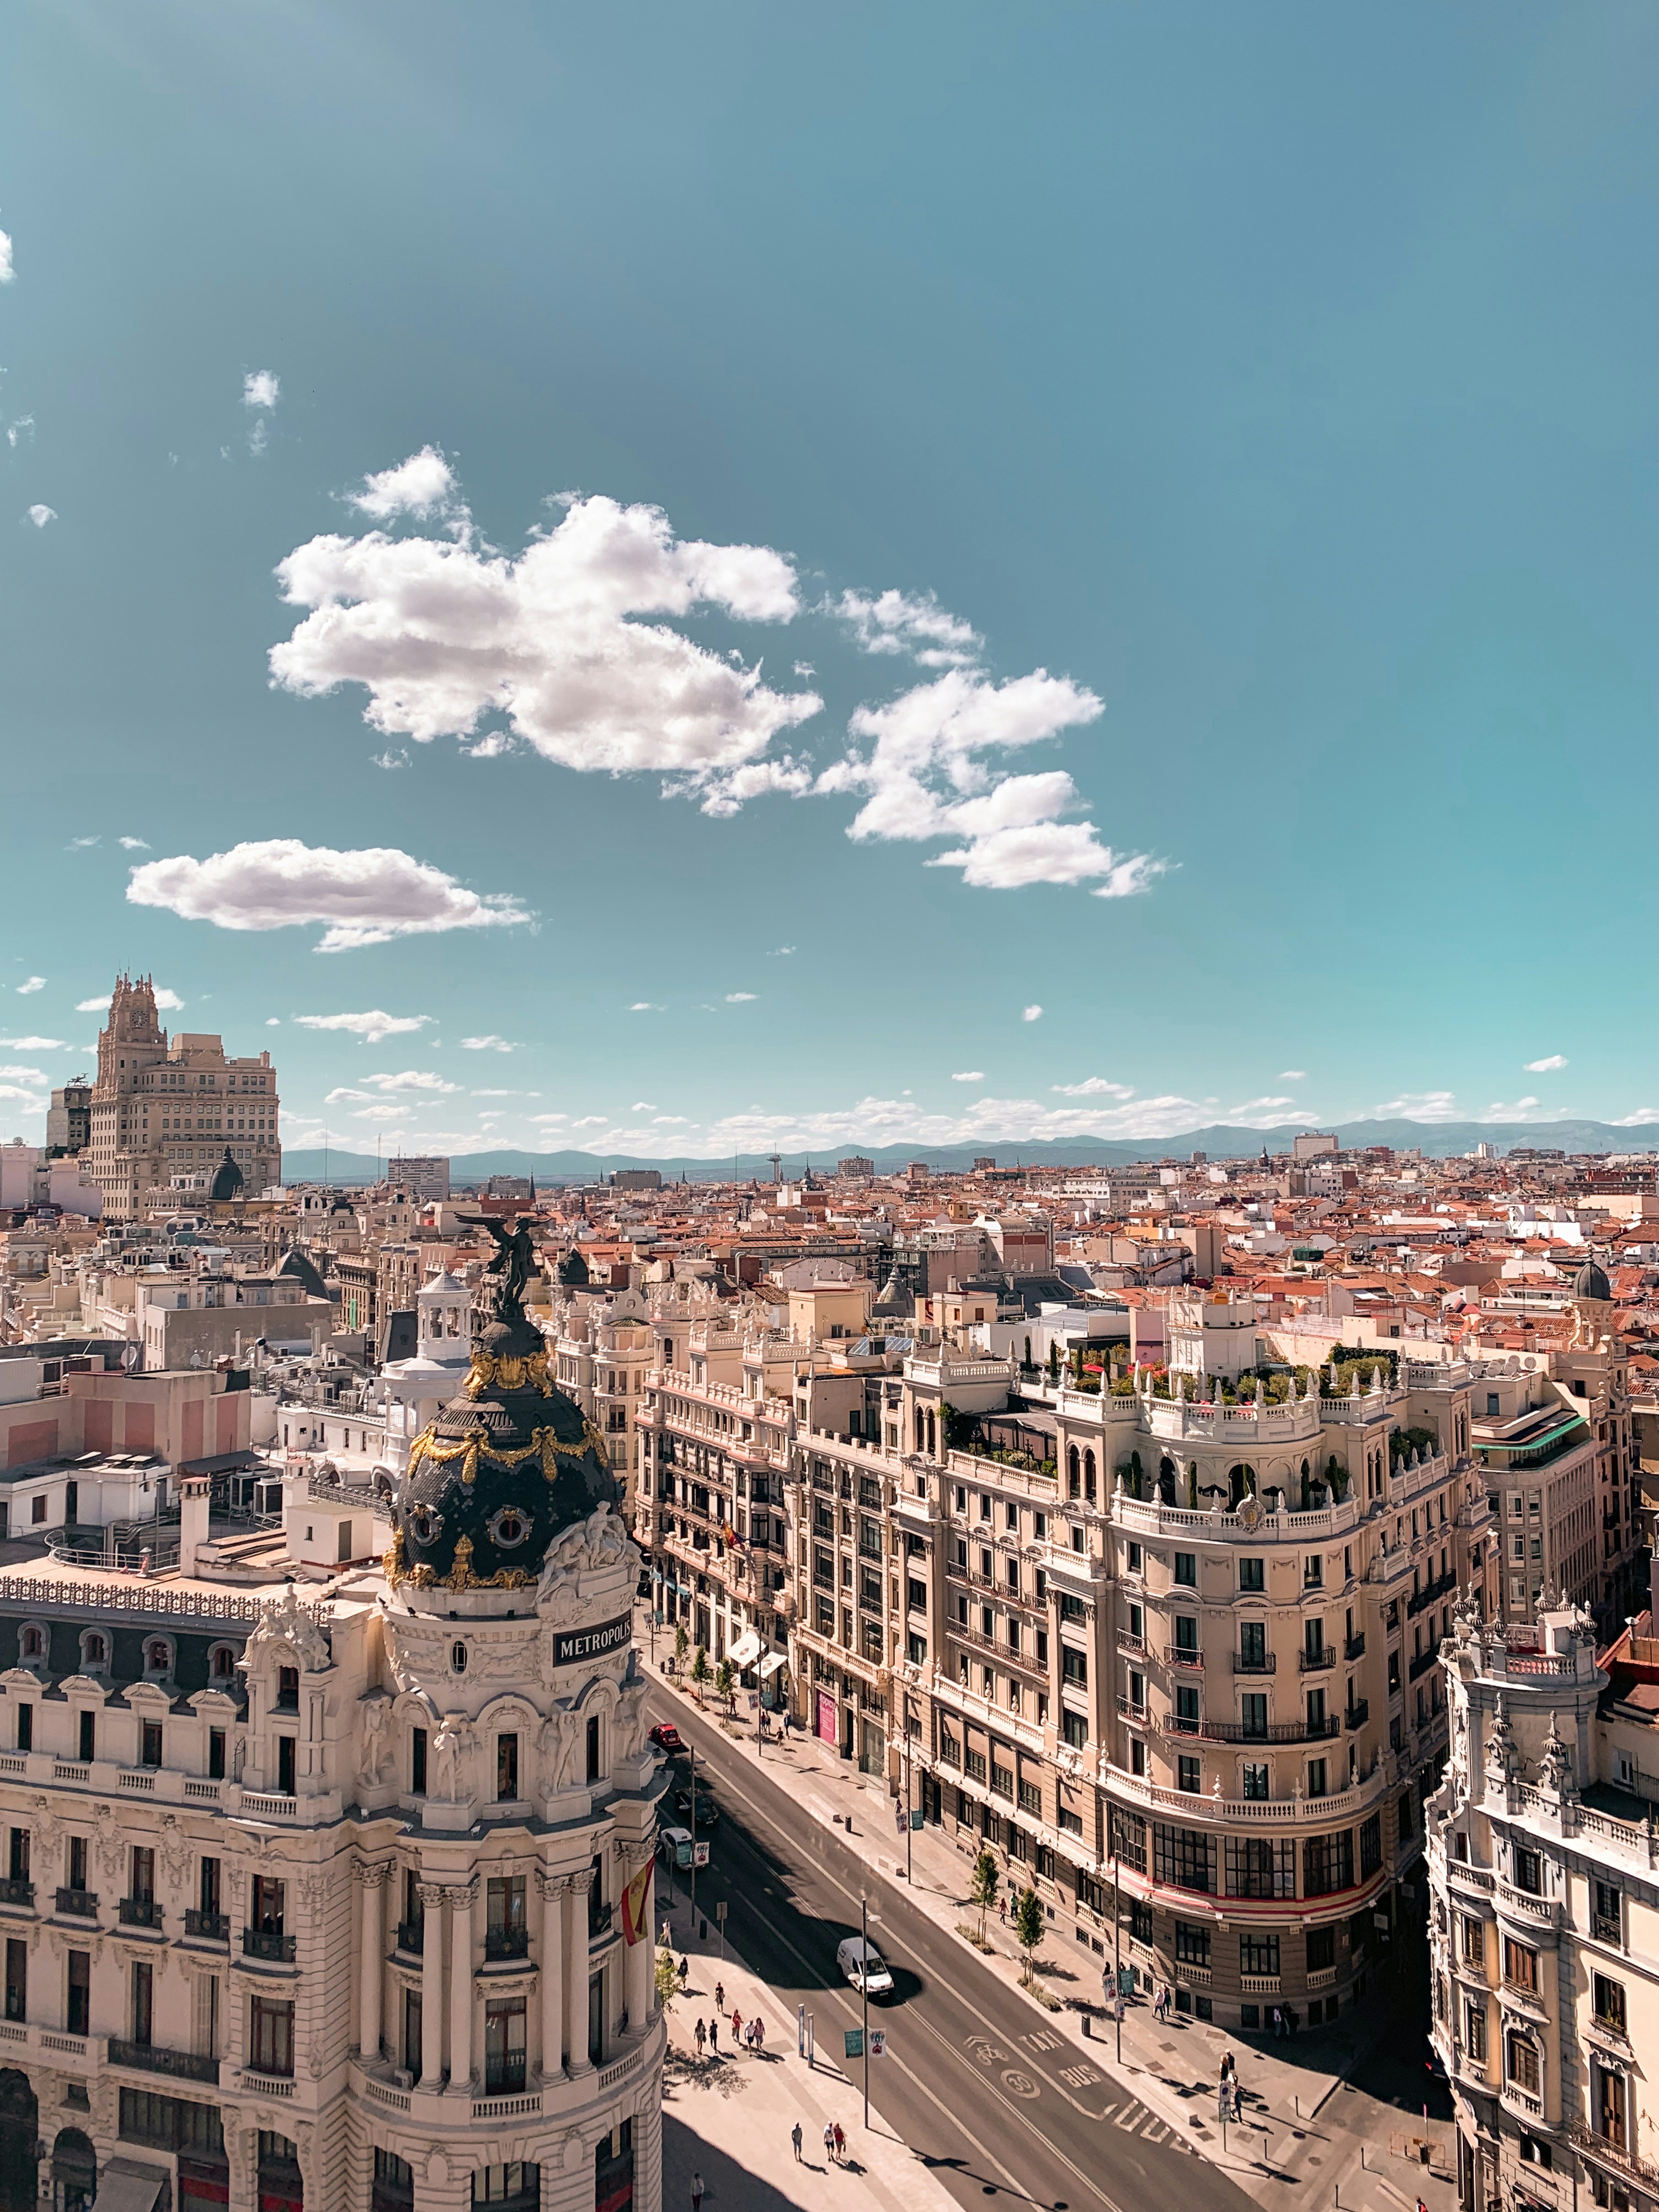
{"points": [[667, 1737]]}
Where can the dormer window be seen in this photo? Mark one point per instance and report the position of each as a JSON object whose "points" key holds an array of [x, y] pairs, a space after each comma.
{"points": [[158, 1655], [288, 1689], [95, 1652], [507, 1527], [221, 1663], [32, 1644]]}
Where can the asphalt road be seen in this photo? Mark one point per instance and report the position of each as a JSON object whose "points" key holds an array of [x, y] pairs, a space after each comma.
{"points": [[973, 2080]]}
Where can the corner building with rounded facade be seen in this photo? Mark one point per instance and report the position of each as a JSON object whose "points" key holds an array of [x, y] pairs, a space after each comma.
{"points": [[330, 1904], [1179, 1635]]}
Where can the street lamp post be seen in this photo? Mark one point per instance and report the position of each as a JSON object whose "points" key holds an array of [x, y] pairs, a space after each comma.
{"points": [[908, 1787], [863, 1981], [1117, 1938]]}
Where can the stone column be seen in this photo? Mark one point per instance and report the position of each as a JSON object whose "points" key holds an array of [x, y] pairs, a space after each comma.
{"points": [[372, 1966], [575, 1975], [640, 1959], [552, 1887], [461, 1901], [433, 1894]]}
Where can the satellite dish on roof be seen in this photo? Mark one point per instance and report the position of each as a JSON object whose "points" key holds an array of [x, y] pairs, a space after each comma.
{"points": [[129, 1358]]}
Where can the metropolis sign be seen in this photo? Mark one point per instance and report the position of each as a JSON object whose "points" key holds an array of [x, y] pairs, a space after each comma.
{"points": [[594, 1643]]}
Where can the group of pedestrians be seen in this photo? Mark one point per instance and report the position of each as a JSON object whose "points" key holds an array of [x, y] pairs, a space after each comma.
{"points": [[1230, 2099], [1285, 2020], [835, 2143], [751, 2032]]}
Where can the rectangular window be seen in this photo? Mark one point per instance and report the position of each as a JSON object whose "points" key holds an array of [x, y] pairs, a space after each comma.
{"points": [[271, 2037], [1250, 1576], [974, 1765], [1607, 1924], [77, 2010], [142, 1885], [1609, 2002], [507, 1766], [25, 1726], [1073, 1667], [1074, 1728], [417, 1762], [1313, 1570], [1260, 1866], [1253, 1715], [412, 2036], [593, 1748], [1322, 1949], [1327, 1863], [1520, 1965], [1186, 1570], [1371, 1845], [1183, 1859], [88, 1738], [504, 2046], [1192, 1943], [285, 1766], [216, 1754], [1254, 1779], [1475, 1940], [19, 1861], [1189, 1775], [1186, 1632], [1522, 2062], [1258, 1954], [1129, 1839], [1474, 2031], [149, 1743], [17, 1979], [143, 2002], [1528, 1872], [1002, 1778], [268, 1902]]}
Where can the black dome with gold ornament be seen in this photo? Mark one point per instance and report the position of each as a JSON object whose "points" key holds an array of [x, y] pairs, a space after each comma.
{"points": [[508, 1465]]}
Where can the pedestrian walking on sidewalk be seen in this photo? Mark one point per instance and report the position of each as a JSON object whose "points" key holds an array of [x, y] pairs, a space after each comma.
{"points": [[794, 2138], [759, 2034], [719, 1997], [737, 2025], [840, 2144], [696, 2192], [685, 1971], [1279, 2023], [703, 2035], [829, 2142], [714, 2036]]}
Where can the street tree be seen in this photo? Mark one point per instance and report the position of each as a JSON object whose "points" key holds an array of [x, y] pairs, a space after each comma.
{"points": [[1030, 1928], [983, 1887]]}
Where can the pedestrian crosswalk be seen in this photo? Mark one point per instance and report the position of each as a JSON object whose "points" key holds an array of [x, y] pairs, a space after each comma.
{"points": [[1136, 2118]]}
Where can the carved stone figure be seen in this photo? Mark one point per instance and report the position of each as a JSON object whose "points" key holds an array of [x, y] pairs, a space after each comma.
{"points": [[376, 1749], [628, 1727], [445, 1760], [560, 1731], [288, 1622]]}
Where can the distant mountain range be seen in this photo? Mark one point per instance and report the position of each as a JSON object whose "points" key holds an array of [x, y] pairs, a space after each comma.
{"points": [[1435, 1139]]}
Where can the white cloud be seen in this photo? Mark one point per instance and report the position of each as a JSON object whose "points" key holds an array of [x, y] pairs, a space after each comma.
{"points": [[1549, 1066], [645, 1006], [892, 622], [591, 1122], [40, 515], [1419, 1106], [365, 898], [643, 1106], [1095, 1086], [970, 1075], [15, 1072], [391, 759], [408, 1079], [1519, 1110], [509, 1094], [1031, 1014], [34, 1044], [423, 484], [135, 844], [1638, 1120], [263, 387], [273, 1021], [81, 844], [1292, 1074], [92, 1005], [442, 634], [21, 428], [345, 1096], [34, 983], [168, 1002], [780, 952], [8, 273], [491, 1043], [741, 998], [374, 1028], [669, 1121], [259, 437], [541, 1120], [33, 1099], [378, 1113]]}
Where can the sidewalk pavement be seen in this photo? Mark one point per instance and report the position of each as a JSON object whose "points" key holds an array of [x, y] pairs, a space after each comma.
{"points": [[1293, 2135], [728, 2116]]}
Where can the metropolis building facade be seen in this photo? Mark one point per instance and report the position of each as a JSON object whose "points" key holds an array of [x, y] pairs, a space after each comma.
{"points": [[344, 1905]]}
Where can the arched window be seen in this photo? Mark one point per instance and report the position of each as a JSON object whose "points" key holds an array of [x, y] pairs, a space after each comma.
{"points": [[158, 1655], [221, 1663], [1073, 1482], [95, 1651], [1089, 1476], [32, 1642]]}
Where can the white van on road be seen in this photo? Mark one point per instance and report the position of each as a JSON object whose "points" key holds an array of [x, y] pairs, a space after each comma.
{"points": [[865, 1967]]}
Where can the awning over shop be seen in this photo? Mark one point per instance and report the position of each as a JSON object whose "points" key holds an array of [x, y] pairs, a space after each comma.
{"points": [[772, 1664], [746, 1649]]}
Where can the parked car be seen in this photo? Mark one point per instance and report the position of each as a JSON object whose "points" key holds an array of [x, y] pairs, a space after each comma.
{"points": [[675, 1844], [667, 1737], [708, 1812], [865, 1967]]}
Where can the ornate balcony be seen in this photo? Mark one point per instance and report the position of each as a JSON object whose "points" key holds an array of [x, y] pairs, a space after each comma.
{"points": [[266, 1943], [178, 2065], [82, 1903], [211, 1927]]}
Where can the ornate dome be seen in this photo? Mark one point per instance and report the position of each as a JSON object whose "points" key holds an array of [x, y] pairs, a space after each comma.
{"points": [[508, 1466], [228, 1179], [1590, 1282]]}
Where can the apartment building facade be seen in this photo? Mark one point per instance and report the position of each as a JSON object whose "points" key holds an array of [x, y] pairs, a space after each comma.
{"points": [[1184, 1643], [1544, 1917]]}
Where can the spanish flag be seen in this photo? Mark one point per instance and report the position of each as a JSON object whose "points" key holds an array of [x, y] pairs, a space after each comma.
{"points": [[633, 1908]]}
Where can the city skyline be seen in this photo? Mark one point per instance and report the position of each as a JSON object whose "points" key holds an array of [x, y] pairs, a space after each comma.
{"points": [[583, 697]]}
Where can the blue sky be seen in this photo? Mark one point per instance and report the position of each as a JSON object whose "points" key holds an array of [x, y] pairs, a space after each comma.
{"points": [[1196, 468]]}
